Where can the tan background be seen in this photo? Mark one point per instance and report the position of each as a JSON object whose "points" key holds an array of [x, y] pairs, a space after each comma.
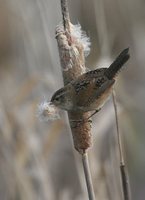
{"points": [[36, 158]]}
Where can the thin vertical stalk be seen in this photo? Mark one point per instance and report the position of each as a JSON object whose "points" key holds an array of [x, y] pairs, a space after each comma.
{"points": [[117, 127], [88, 176], [123, 172], [65, 16]]}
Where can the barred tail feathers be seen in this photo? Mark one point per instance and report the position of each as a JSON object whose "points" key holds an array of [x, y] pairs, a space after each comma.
{"points": [[114, 68]]}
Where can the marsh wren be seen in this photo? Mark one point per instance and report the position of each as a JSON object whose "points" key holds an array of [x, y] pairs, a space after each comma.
{"points": [[91, 90]]}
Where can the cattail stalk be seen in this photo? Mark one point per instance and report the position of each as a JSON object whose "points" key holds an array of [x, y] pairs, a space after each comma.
{"points": [[71, 52], [123, 172]]}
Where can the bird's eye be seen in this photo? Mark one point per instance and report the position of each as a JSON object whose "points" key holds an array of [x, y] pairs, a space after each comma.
{"points": [[57, 99]]}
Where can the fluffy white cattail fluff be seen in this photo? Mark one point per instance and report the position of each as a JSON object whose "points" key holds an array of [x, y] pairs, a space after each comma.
{"points": [[79, 38], [80, 35], [47, 111]]}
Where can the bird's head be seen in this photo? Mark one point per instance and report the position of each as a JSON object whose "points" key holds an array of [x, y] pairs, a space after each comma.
{"points": [[61, 99]]}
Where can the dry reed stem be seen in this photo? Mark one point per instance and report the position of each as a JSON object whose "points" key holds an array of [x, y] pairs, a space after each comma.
{"points": [[88, 177], [71, 52], [123, 172], [72, 60]]}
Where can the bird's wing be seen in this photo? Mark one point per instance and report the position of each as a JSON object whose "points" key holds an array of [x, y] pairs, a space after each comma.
{"points": [[87, 79], [99, 91], [89, 89], [95, 73]]}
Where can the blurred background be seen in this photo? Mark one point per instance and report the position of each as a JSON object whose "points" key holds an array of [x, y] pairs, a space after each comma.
{"points": [[37, 159]]}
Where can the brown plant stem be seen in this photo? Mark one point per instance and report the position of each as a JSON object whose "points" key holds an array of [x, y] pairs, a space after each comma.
{"points": [[71, 52], [73, 65], [65, 15], [123, 172], [88, 178]]}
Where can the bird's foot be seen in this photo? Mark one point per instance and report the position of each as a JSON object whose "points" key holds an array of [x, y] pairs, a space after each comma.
{"points": [[77, 123]]}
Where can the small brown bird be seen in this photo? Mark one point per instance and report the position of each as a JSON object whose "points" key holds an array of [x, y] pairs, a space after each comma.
{"points": [[90, 90]]}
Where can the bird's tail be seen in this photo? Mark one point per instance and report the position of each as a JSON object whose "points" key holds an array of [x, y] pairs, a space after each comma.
{"points": [[117, 64]]}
